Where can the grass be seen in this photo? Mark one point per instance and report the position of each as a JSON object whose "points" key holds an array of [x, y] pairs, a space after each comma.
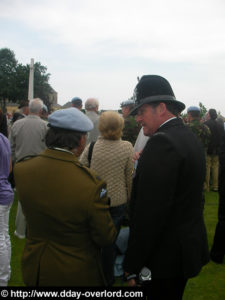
{"points": [[208, 285]]}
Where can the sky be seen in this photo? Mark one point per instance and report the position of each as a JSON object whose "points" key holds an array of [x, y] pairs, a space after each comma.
{"points": [[98, 48]]}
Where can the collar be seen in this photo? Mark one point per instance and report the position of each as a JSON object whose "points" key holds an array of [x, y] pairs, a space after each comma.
{"points": [[62, 149], [33, 116], [167, 121]]}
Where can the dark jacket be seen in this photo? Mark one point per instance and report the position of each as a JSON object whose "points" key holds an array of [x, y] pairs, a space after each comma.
{"points": [[214, 142], [168, 234], [4, 125], [68, 221]]}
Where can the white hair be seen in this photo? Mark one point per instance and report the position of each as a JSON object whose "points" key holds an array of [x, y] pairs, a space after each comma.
{"points": [[35, 105], [91, 103]]}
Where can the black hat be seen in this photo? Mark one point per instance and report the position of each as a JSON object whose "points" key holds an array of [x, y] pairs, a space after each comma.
{"points": [[23, 104], [154, 88]]}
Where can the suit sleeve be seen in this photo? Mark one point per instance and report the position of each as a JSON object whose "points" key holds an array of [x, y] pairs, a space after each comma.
{"points": [[152, 200], [102, 229]]}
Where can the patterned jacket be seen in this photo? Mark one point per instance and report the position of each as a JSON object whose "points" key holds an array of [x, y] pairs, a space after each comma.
{"points": [[202, 131]]}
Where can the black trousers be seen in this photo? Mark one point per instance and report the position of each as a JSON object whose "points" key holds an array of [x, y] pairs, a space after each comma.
{"points": [[109, 252], [162, 289], [218, 249]]}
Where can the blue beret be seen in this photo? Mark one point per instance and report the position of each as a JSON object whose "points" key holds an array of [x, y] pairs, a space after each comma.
{"points": [[76, 100], [71, 119], [127, 102], [193, 108]]}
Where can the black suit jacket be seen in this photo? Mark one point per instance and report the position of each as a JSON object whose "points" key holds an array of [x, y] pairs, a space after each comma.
{"points": [[167, 231]]}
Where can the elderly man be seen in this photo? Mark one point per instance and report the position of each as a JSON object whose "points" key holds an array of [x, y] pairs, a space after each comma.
{"points": [[167, 231], [66, 207], [27, 138], [91, 109]]}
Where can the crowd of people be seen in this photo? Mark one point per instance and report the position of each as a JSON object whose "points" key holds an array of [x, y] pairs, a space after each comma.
{"points": [[80, 176]]}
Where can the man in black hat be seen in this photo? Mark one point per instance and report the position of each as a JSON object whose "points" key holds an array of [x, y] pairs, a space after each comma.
{"points": [[167, 231]]}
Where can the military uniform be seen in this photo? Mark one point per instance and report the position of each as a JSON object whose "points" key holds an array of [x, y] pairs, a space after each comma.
{"points": [[66, 208], [202, 131], [67, 221], [130, 130]]}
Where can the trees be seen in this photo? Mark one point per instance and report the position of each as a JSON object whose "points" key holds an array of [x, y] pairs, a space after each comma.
{"points": [[8, 65], [14, 78], [203, 110]]}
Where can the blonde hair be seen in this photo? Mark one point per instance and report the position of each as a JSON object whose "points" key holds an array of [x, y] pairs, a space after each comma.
{"points": [[111, 125]]}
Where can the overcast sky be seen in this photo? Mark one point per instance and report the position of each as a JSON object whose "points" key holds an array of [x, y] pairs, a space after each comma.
{"points": [[98, 48]]}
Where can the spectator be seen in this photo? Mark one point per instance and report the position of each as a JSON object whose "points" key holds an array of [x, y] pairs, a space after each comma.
{"points": [[44, 113], [3, 123], [131, 128], [23, 111], [212, 158], [6, 199], [67, 216], [201, 130], [112, 160], [218, 249], [27, 138], [91, 109], [77, 103], [167, 231]]}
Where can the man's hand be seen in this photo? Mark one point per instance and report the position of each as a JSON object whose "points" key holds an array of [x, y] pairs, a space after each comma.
{"points": [[131, 281], [136, 156]]}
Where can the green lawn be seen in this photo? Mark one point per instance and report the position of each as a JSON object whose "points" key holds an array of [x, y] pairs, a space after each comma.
{"points": [[209, 285]]}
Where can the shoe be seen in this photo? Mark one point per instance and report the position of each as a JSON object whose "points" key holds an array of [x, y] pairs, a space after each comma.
{"points": [[19, 235]]}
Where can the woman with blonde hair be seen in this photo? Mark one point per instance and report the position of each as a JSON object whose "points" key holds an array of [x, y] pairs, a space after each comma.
{"points": [[112, 160]]}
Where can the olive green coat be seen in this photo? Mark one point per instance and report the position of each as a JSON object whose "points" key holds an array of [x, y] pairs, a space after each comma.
{"points": [[68, 221]]}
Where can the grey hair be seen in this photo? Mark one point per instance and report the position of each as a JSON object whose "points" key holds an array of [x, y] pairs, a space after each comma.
{"points": [[35, 105], [91, 103]]}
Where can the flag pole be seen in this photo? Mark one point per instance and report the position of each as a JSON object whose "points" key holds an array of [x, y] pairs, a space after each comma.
{"points": [[31, 81]]}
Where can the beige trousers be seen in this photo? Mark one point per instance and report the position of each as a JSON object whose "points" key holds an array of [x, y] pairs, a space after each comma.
{"points": [[212, 163]]}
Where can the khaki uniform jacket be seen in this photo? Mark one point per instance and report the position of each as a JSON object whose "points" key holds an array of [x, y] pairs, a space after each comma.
{"points": [[68, 221]]}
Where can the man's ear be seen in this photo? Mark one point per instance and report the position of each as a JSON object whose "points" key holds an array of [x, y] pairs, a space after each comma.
{"points": [[162, 108]]}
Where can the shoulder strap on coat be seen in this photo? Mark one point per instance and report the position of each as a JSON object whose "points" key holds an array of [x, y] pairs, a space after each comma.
{"points": [[90, 151]]}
